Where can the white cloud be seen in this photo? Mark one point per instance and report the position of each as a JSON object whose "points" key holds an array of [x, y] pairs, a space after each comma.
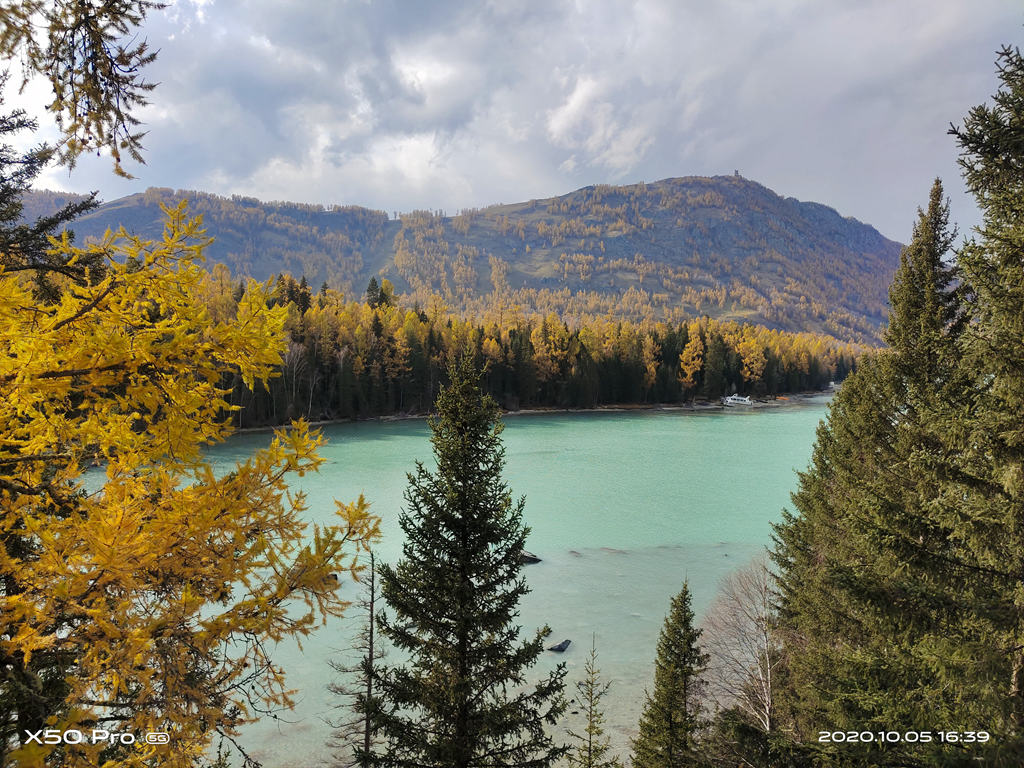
{"points": [[567, 119], [456, 103]]}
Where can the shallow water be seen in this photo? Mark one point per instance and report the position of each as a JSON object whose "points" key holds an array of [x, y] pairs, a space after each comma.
{"points": [[623, 507]]}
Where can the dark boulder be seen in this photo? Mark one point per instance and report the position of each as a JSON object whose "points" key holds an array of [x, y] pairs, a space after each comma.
{"points": [[560, 647], [528, 558]]}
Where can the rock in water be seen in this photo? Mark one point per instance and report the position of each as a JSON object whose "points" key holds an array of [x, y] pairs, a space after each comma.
{"points": [[560, 647], [528, 558]]}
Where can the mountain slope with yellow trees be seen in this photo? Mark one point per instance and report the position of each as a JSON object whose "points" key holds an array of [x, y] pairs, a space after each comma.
{"points": [[725, 247]]}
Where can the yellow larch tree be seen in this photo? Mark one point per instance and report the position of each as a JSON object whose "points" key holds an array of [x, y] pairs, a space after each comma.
{"points": [[751, 351], [142, 595], [691, 359]]}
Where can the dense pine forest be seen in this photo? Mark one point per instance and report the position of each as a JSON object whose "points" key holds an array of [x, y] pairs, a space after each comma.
{"points": [[374, 357]]}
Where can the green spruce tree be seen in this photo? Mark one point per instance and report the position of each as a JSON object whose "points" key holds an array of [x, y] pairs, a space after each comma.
{"points": [[462, 698], [925, 308], [986, 439], [373, 292], [901, 587], [592, 748], [878, 602], [672, 715]]}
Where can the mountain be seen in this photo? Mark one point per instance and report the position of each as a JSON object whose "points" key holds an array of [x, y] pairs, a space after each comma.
{"points": [[723, 246]]}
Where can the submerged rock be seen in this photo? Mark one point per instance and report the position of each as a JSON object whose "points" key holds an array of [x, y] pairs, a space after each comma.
{"points": [[560, 646]]}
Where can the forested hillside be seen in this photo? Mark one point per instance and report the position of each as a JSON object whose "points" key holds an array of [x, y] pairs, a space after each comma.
{"points": [[725, 247]]}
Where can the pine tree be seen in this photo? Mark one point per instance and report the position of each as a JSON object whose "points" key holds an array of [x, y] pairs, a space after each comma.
{"points": [[714, 367], [373, 293], [877, 602], [592, 746], [303, 296], [386, 295], [986, 440], [671, 717], [924, 306], [462, 699], [901, 587]]}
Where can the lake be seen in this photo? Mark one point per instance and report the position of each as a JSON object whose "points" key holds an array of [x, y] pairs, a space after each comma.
{"points": [[622, 506]]}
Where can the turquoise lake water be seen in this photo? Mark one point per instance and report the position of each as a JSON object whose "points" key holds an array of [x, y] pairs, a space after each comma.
{"points": [[623, 507]]}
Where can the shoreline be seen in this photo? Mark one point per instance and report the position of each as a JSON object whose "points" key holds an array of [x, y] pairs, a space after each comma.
{"points": [[696, 406]]}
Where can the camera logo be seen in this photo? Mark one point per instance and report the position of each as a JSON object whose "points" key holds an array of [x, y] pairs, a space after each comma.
{"points": [[96, 736]]}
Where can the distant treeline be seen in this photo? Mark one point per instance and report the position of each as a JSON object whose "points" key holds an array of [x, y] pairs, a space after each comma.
{"points": [[357, 359]]}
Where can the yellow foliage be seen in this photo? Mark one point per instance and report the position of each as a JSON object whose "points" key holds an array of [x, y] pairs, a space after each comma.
{"points": [[650, 361], [752, 354], [155, 595], [691, 359]]}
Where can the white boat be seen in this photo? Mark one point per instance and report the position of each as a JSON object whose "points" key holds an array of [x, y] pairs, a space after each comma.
{"points": [[737, 400]]}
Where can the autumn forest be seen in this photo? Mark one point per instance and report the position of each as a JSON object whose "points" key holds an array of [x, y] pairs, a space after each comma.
{"points": [[373, 357]]}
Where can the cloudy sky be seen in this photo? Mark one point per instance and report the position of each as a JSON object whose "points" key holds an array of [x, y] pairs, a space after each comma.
{"points": [[449, 104]]}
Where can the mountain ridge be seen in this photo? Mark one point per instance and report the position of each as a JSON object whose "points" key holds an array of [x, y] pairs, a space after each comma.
{"points": [[724, 246]]}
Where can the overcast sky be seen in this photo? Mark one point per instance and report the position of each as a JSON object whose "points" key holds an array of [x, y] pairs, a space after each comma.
{"points": [[449, 104]]}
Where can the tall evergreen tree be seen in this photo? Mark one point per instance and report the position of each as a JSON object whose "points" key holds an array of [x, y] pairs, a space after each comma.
{"points": [[373, 292], [924, 306], [878, 603], [987, 438], [462, 699], [901, 578], [671, 717], [714, 366]]}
